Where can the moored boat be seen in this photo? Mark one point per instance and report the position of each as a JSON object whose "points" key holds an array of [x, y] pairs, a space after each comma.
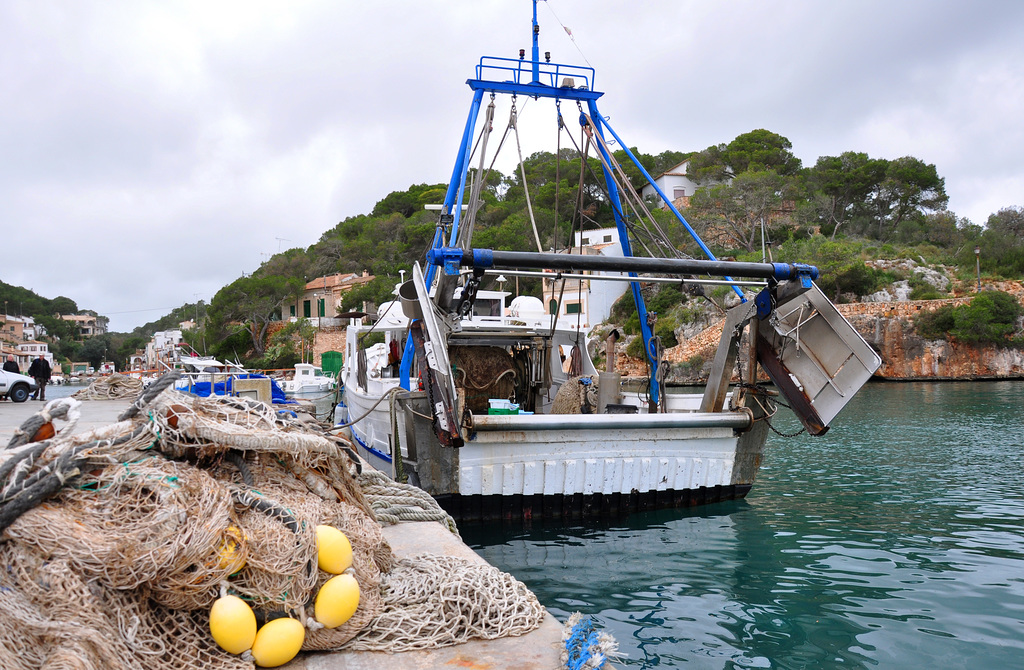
{"points": [[477, 406], [308, 378]]}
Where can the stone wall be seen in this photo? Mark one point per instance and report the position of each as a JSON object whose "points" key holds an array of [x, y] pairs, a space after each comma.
{"points": [[328, 339]]}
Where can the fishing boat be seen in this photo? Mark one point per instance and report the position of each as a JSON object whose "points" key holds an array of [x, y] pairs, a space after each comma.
{"points": [[307, 378], [474, 403]]}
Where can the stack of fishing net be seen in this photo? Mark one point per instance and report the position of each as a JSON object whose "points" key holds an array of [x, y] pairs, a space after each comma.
{"points": [[111, 387], [115, 543]]}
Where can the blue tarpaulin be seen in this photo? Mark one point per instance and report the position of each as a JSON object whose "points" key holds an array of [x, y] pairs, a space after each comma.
{"points": [[202, 389]]}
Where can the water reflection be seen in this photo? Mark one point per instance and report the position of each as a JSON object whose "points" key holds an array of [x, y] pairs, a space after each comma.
{"points": [[894, 541]]}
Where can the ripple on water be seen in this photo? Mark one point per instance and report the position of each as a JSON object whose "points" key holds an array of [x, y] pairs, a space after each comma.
{"points": [[895, 541]]}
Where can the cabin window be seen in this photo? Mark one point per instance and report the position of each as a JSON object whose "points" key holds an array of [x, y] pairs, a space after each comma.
{"points": [[487, 308], [306, 311], [572, 308]]}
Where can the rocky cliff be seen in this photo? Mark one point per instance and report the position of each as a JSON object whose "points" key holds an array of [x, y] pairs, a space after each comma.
{"points": [[889, 328]]}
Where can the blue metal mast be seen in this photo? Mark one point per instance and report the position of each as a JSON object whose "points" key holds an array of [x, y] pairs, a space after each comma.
{"points": [[538, 79]]}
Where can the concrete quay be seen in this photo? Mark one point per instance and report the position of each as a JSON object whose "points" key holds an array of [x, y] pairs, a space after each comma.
{"points": [[538, 650]]}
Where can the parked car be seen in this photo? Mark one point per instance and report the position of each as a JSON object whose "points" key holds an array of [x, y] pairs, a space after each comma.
{"points": [[15, 386]]}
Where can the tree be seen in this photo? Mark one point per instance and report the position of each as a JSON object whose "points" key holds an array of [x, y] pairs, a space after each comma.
{"points": [[842, 269], [757, 151], [410, 201], [97, 349], [255, 301], [734, 213], [844, 184], [1009, 220], [63, 305], [910, 188], [281, 352]]}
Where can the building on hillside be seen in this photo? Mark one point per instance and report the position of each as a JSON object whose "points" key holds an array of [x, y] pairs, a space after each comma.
{"points": [[581, 303], [29, 351], [88, 325], [321, 297], [674, 184], [163, 348], [7, 349], [13, 328], [137, 361]]}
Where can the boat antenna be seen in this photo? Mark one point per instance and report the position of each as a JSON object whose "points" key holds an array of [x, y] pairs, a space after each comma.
{"points": [[572, 37]]}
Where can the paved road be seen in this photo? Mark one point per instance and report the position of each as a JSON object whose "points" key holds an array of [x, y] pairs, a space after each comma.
{"points": [[95, 413]]}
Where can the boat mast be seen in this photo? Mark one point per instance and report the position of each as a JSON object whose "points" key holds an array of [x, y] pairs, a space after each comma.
{"points": [[536, 79]]}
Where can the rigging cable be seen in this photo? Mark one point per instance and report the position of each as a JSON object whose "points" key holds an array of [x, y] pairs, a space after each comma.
{"points": [[522, 171]]}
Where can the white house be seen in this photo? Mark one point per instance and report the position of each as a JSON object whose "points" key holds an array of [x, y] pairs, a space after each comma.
{"points": [[29, 351], [674, 184], [583, 303]]}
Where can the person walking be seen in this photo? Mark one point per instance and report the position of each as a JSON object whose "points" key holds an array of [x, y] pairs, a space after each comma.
{"points": [[40, 371], [11, 365]]}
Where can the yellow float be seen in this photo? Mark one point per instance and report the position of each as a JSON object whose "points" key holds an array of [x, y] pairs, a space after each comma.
{"points": [[278, 642], [232, 624], [231, 557], [337, 601], [333, 550]]}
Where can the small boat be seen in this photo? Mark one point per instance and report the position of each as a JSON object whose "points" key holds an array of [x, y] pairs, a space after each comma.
{"points": [[308, 378], [475, 404]]}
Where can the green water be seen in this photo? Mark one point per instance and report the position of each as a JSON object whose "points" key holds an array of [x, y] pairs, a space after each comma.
{"points": [[895, 541]]}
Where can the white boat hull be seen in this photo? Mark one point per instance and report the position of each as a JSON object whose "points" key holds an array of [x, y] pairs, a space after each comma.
{"points": [[533, 466]]}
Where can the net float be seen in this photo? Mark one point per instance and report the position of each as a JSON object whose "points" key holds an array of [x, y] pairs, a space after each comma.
{"points": [[337, 601], [232, 624], [278, 642], [333, 550]]}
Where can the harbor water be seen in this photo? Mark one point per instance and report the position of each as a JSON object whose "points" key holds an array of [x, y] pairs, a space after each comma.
{"points": [[894, 541]]}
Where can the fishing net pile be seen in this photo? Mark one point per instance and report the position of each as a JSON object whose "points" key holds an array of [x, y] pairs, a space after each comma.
{"points": [[115, 543], [111, 387]]}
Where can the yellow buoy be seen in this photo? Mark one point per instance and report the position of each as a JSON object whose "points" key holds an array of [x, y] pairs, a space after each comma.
{"points": [[231, 557], [278, 642], [337, 601], [333, 550], [232, 624]]}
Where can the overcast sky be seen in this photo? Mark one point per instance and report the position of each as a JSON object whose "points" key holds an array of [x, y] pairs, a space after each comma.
{"points": [[152, 152]]}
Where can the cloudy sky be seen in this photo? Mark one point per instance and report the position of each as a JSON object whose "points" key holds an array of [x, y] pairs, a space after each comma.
{"points": [[152, 152]]}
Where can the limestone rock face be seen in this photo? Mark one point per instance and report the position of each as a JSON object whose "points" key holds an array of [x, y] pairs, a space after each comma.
{"points": [[908, 356]]}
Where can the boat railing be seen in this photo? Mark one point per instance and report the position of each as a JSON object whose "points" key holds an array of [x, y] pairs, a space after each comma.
{"points": [[532, 321], [521, 72]]}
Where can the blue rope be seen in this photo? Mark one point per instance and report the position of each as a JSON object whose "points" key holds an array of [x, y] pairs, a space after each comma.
{"points": [[582, 646]]}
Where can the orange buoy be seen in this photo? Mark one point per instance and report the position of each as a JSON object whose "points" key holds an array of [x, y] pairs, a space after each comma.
{"points": [[45, 432], [173, 412]]}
